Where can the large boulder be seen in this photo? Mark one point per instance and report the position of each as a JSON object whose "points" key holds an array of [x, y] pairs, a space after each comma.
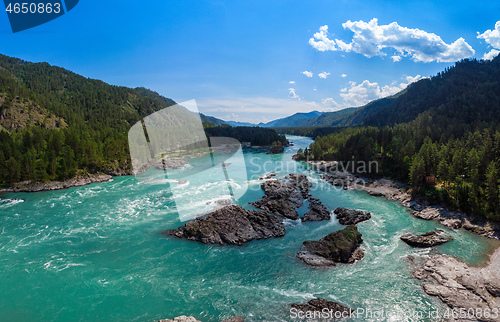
{"points": [[351, 217], [230, 225], [429, 239], [317, 211], [281, 198], [337, 247], [318, 305]]}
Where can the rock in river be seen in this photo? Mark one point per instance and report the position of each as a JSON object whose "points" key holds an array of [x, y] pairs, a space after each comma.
{"points": [[316, 306], [351, 217], [317, 211], [429, 239], [301, 183], [281, 198], [336, 247], [230, 225]]}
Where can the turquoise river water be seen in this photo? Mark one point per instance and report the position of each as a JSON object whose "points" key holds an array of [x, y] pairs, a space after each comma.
{"points": [[95, 253]]}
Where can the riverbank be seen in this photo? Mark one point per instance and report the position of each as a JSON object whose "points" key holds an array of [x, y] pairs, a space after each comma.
{"points": [[472, 293], [473, 290], [78, 181], [400, 192]]}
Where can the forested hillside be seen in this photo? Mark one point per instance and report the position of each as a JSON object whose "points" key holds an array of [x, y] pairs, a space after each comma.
{"points": [[255, 135], [89, 131], [455, 138], [55, 124]]}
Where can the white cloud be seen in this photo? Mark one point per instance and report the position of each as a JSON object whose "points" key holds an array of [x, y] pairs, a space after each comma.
{"points": [[361, 94], [365, 92], [396, 58], [343, 75], [370, 39], [308, 74], [321, 42], [491, 54], [492, 37], [292, 94], [329, 102], [323, 75], [315, 89], [291, 82], [410, 79]]}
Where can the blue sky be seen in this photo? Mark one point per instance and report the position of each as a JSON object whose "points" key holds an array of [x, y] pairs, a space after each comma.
{"points": [[245, 60]]}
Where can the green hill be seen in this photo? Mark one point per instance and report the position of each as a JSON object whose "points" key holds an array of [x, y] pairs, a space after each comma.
{"points": [[55, 123], [445, 128]]}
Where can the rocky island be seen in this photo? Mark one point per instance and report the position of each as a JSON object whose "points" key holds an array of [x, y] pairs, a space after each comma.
{"points": [[338, 247], [428, 239], [351, 217], [282, 198], [231, 225], [317, 211]]}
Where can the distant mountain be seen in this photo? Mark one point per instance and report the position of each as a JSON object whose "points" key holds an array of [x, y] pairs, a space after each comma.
{"points": [[234, 123], [337, 118], [295, 120], [211, 119]]}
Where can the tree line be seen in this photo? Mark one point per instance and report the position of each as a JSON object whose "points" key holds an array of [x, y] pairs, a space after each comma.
{"points": [[449, 152]]}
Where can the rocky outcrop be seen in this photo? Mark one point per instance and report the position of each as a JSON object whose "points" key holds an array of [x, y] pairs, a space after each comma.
{"points": [[320, 305], [343, 179], [317, 211], [231, 225], [463, 287], [337, 247], [281, 198], [351, 217], [301, 183], [82, 180], [428, 239]]}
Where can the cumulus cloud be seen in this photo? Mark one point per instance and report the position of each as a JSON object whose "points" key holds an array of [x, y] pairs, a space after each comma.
{"points": [[370, 39], [396, 58], [308, 74], [491, 54], [321, 42], [343, 75], [291, 82], [323, 75], [292, 94], [329, 102], [360, 94], [492, 37]]}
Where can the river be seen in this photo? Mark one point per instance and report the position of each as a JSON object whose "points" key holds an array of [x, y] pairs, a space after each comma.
{"points": [[95, 253]]}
